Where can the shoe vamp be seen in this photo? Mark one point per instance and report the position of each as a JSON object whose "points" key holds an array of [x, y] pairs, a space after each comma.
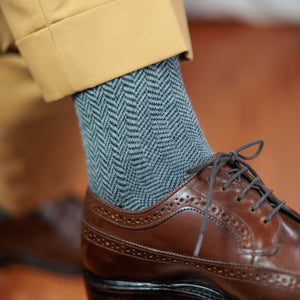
{"points": [[287, 256], [232, 233]]}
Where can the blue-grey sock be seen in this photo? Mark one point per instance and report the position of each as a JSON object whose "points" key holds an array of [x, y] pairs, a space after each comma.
{"points": [[140, 134]]}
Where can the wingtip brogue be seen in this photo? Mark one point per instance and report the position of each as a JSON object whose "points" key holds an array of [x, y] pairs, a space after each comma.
{"points": [[219, 235]]}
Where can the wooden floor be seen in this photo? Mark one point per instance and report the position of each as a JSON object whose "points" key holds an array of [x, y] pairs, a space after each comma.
{"points": [[244, 84]]}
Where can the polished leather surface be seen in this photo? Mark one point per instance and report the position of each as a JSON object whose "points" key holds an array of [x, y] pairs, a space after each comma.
{"points": [[247, 258], [48, 238]]}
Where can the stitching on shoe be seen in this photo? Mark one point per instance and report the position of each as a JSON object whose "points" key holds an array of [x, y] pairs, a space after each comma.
{"points": [[240, 230], [232, 271]]}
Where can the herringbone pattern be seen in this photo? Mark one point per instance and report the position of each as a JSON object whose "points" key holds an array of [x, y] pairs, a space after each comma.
{"points": [[140, 134]]}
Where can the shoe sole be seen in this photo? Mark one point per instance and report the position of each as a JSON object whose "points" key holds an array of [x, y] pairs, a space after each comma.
{"points": [[99, 289]]}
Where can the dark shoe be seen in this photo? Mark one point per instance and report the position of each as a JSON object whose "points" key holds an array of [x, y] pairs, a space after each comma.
{"points": [[49, 238], [250, 248]]}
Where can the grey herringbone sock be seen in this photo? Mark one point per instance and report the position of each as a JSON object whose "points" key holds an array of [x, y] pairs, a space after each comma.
{"points": [[140, 134]]}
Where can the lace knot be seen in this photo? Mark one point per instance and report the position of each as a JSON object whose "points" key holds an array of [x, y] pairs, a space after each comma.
{"points": [[233, 156]]}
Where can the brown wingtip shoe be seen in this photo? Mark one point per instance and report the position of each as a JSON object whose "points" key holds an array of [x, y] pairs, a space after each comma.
{"points": [[48, 238], [219, 235]]}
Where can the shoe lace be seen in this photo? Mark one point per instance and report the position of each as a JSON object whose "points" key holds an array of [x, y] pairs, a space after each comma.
{"points": [[239, 168]]}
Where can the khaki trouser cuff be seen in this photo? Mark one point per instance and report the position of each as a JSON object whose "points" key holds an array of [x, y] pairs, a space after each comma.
{"points": [[103, 43]]}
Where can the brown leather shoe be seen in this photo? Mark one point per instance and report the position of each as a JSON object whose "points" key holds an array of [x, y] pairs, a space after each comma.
{"points": [[49, 238], [250, 248]]}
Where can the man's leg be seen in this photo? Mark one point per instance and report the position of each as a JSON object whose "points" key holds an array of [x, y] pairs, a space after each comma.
{"points": [[160, 32], [218, 235]]}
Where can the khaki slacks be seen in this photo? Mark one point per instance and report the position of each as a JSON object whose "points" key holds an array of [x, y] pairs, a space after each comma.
{"points": [[52, 49]]}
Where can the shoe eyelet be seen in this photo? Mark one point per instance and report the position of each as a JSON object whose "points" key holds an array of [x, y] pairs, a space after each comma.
{"points": [[223, 188], [239, 197], [224, 216], [252, 209], [265, 221]]}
